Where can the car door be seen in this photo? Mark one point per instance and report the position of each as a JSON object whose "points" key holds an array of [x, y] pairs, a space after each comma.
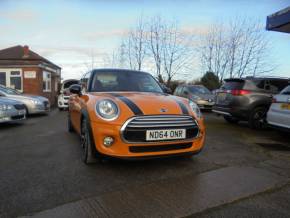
{"points": [[281, 105], [76, 103]]}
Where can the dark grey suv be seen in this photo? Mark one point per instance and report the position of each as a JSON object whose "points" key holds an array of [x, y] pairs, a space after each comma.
{"points": [[247, 99]]}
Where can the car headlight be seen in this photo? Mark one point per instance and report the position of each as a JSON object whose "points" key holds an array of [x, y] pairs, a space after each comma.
{"points": [[195, 109], [5, 107], [34, 101], [107, 109]]}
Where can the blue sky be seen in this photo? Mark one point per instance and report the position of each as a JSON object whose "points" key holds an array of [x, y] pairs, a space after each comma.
{"points": [[68, 31]]}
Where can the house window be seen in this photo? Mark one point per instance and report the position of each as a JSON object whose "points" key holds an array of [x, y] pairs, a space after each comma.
{"points": [[46, 81], [15, 80]]}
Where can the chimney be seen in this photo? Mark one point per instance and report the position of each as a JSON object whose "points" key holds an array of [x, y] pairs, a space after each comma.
{"points": [[25, 51]]}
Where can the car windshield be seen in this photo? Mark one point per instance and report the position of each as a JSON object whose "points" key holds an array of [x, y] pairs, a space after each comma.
{"points": [[286, 91], [69, 83], [115, 81], [9, 91], [199, 90]]}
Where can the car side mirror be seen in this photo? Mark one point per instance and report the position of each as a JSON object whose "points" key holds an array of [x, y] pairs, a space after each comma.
{"points": [[185, 92], [75, 89], [167, 90]]}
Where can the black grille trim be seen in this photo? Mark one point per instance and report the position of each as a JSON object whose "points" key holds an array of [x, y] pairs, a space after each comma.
{"points": [[134, 130], [158, 148], [19, 106]]}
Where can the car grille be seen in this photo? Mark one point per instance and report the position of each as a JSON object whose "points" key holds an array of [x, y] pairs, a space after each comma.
{"points": [[158, 148], [46, 104], [18, 117], [19, 106], [134, 130]]}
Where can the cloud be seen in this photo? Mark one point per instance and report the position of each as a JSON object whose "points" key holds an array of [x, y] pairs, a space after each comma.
{"points": [[97, 35], [20, 15]]}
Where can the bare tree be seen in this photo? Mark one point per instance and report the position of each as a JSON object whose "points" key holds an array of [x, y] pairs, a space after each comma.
{"points": [[235, 50], [156, 42], [135, 45], [176, 52]]}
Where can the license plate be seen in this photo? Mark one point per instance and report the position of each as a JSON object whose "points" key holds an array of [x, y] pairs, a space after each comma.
{"points": [[285, 106], [168, 134]]}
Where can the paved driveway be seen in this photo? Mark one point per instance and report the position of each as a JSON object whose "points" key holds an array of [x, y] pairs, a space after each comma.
{"points": [[240, 172]]}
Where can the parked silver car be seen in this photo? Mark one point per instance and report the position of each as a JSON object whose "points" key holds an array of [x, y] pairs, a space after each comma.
{"points": [[11, 110], [278, 115], [33, 104], [198, 94]]}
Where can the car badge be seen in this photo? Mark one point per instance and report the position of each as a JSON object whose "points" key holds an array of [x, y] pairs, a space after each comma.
{"points": [[163, 110]]}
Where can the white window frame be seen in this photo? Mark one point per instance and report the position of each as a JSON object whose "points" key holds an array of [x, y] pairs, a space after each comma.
{"points": [[46, 80], [8, 76]]}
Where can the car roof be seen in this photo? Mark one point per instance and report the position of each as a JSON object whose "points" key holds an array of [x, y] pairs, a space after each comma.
{"points": [[118, 70], [255, 78]]}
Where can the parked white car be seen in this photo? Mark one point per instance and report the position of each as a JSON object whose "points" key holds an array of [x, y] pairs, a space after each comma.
{"points": [[62, 101], [278, 115]]}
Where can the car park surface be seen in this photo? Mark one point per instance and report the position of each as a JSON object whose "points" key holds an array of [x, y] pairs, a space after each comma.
{"points": [[42, 175]]}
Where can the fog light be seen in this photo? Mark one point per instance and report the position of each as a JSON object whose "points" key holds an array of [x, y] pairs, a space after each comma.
{"points": [[108, 141]]}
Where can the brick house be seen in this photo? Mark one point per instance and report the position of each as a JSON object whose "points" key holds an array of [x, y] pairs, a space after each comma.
{"points": [[28, 72]]}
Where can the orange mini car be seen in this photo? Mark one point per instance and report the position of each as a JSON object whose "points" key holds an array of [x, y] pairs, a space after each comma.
{"points": [[126, 114]]}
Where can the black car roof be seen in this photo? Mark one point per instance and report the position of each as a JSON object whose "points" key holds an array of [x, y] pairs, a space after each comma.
{"points": [[117, 70]]}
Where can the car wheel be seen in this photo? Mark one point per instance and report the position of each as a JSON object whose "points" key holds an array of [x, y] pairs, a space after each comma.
{"points": [[258, 118], [60, 109], [230, 119], [69, 124], [89, 151]]}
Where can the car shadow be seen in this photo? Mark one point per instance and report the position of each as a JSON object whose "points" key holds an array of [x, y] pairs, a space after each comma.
{"points": [[11, 125], [275, 146]]}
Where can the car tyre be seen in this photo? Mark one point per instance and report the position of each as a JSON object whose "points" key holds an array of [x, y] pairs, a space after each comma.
{"points": [[257, 118], [89, 151], [69, 124], [230, 119]]}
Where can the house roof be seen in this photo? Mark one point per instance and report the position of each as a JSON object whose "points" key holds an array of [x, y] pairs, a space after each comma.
{"points": [[279, 21], [22, 55]]}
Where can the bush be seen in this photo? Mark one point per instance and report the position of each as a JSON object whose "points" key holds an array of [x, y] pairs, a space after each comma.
{"points": [[210, 81]]}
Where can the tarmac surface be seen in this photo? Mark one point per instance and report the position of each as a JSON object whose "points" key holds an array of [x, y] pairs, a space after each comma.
{"points": [[240, 173]]}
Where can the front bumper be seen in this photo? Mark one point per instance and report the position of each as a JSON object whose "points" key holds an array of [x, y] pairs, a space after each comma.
{"points": [[62, 102], [203, 104], [12, 115], [121, 149], [38, 109], [241, 113]]}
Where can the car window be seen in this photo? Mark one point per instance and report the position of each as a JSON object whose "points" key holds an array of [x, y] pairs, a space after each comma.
{"points": [[110, 81], [198, 90], [84, 81], [233, 85], [286, 91], [176, 91], [9, 91], [69, 83], [278, 85]]}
